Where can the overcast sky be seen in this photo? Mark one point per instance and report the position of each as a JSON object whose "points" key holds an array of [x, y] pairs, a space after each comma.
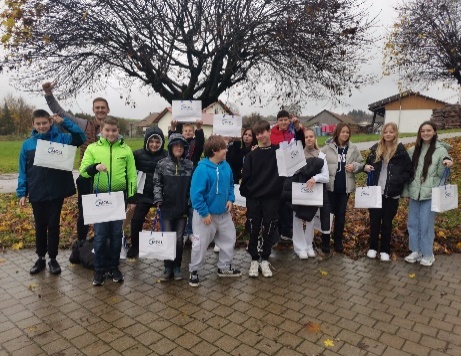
{"points": [[146, 104]]}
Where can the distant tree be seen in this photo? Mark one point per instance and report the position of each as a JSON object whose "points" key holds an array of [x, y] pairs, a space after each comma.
{"points": [[21, 113], [184, 49], [250, 120], [294, 108], [6, 121], [424, 45]]}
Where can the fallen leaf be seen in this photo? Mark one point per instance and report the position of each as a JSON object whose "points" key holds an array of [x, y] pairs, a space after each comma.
{"points": [[362, 345], [323, 273], [17, 246], [32, 286], [412, 275], [328, 343], [2, 261], [458, 245], [312, 327], [441, 234]]}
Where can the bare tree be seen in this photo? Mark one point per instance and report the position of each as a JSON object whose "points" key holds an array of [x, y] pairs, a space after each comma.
{"points": [[425, 43], [291, 49], [248, 121]]}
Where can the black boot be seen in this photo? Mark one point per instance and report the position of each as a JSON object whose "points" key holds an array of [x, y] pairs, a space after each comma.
{"points": [[326, 243], [338, 244]]}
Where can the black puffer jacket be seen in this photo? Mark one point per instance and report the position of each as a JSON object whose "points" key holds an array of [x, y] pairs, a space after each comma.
{"points": [[399, 170], [146, 162], [313, 166]]}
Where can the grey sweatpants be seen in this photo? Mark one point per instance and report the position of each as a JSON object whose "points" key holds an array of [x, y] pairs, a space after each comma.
{"points": [[222, 230]]}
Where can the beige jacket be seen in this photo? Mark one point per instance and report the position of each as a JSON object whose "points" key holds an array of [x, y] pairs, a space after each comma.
{"points": [[353, 156]]}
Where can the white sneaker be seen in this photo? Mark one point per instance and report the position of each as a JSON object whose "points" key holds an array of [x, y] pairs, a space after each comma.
{"points": [[303, 255], [427, 261], [254, 269], [384, 257], [371, 254], [413, 257], [216, 249], [310, 251], [265, 267]]}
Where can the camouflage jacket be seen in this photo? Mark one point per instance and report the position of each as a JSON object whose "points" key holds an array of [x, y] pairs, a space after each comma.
{"points": [[171, 186]]}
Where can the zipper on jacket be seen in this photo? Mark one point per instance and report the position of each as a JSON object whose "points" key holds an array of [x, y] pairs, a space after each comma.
{"points": [[217, 180], [110, 165]]}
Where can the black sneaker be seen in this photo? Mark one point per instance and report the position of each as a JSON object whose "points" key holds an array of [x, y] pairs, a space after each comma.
{"points": [[55, 268], [99, 278], [193, 279], [133, 252], [116, 275], [231, 272], [39, 266]]}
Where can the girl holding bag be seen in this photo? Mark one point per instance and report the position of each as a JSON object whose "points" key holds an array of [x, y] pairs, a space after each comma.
{"points": [[315, 171], [429, 159], [344, 161], [392, 168]]}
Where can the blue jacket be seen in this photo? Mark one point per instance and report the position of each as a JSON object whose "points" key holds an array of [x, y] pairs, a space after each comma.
{"points": [[212, 187], [40, 183]]}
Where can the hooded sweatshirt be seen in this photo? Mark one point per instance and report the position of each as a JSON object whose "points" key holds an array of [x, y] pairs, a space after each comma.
{"points": [[172, 181], [146, 161], [212, 187]]}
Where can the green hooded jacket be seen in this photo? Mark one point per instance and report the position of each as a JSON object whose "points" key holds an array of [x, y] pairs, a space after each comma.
{"points": [[119, 160]]}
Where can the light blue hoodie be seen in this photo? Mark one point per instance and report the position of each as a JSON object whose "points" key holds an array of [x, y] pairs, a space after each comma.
{"points": [[212, 187]]}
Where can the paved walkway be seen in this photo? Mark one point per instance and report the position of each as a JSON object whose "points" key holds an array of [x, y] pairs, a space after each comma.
{"points": [[332, 307]]}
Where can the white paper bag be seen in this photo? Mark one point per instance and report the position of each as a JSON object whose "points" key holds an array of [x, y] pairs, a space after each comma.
{"points": [[318, 222], [54, 155], [227, 125], [290, 159], [444, 198], [368, 197], [186, 110], [157, 245], [239, 200], [103, 207], [300, 195]]}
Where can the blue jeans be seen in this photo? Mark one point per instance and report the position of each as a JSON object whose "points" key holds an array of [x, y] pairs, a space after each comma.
{"points": [[421, 222], [104, 233]]}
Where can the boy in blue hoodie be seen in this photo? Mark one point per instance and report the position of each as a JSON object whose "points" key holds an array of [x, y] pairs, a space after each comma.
{"points": [[46, 187], [212, 195]]}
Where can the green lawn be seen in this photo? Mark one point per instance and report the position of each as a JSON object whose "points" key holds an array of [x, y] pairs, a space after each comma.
{"points": [[10, 148], [10, 153]]}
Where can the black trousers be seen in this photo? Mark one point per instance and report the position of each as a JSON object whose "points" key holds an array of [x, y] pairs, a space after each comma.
{"points": [[262, 220], [84, 186], [139, 215], [47, 216], [381, 222], [338, 205], [178, 225]]}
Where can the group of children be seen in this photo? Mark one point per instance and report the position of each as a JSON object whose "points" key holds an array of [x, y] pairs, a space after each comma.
{"points": [[186, 188]]}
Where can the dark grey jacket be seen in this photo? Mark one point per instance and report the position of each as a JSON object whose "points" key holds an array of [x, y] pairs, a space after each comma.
{"points": [[172, 179]]}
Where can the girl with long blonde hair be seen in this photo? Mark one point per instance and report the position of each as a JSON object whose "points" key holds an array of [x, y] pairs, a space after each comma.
{"points": [[392, 168]]}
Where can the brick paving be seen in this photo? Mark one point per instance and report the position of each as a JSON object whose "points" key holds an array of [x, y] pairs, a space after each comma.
{"points": [[334, 306]]}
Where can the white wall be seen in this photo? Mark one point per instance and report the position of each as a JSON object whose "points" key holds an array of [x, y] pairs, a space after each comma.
{"points": [[407, 120]]}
